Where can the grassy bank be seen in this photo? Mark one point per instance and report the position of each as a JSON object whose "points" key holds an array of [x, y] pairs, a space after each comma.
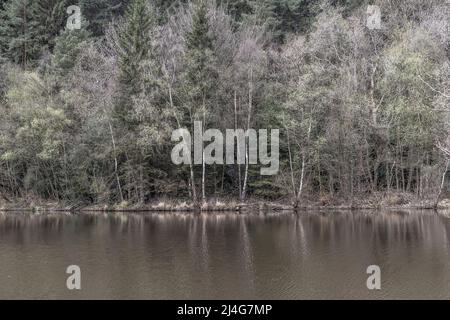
{"points": [[374, 201]]}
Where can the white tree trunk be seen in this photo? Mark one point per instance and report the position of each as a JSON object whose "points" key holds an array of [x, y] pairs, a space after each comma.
{"points": [[442, 183], [250, 104], [116, 165], [238, 149]]}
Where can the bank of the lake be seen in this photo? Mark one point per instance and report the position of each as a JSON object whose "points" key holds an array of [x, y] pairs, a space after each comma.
{"points": [[374, 201]]}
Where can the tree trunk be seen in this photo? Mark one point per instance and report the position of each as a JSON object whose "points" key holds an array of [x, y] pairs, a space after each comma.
{"points": [[203, 155], [436, 202], [116, 165], [193, 191], [250, 104], [294, 192], [238, 149]]}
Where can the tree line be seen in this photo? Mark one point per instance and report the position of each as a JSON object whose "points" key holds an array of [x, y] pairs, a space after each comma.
{"points": [[86, 115]]}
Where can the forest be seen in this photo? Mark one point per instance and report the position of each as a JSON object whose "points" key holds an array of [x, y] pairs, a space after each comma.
{"points": [[87, 114]]}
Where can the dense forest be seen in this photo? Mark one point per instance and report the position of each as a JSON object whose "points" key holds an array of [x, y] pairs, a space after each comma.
{"points": [[87, 114]]}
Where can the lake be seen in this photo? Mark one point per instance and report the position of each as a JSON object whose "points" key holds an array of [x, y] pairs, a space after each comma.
{"points": [[306, 255]]}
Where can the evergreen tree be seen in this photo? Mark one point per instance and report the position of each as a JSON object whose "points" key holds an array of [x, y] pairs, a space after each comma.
{"points": [[51, 17], [67, 47], [200, 76], [19, 31], [200, 72], [29, 28], [134, 43]]}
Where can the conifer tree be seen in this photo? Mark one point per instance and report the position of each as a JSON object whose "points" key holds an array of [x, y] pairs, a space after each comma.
{"points": [[51, 17], [29, 27], [19, 31], [201, 75], [200, 62], [134, 45], [67, 47]]}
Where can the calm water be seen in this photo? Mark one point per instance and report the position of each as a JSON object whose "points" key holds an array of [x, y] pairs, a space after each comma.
{"points": [[271, 256]]}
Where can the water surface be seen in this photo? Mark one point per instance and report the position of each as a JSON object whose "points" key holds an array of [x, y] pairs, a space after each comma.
{"points": [[313, 255]]}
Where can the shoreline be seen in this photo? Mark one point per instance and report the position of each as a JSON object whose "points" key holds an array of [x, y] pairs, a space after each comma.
{"points": [[219, 207]]}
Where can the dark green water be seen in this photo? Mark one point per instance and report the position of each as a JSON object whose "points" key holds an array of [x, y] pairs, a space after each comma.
{"points": [[272, 256]]}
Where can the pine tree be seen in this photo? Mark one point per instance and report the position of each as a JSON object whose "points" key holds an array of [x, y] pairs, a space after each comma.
{"points": [[29, 27], [134, 43], [200, 76], [19, 32], [51, 17], [67, 47], [200, 71]]}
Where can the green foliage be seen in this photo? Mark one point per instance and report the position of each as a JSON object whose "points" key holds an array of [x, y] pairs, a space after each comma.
{"points": [[28, 28], [134, 40], [200, 60], [19, 35], [51, 17], [363, 109], [67, 48]]}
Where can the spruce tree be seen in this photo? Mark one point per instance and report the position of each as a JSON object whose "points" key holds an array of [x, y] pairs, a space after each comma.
{"points": [[134, 47], [200, 60], [51, 17], [19, 37], [29, 27], [200, 76], [67, 47]]}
